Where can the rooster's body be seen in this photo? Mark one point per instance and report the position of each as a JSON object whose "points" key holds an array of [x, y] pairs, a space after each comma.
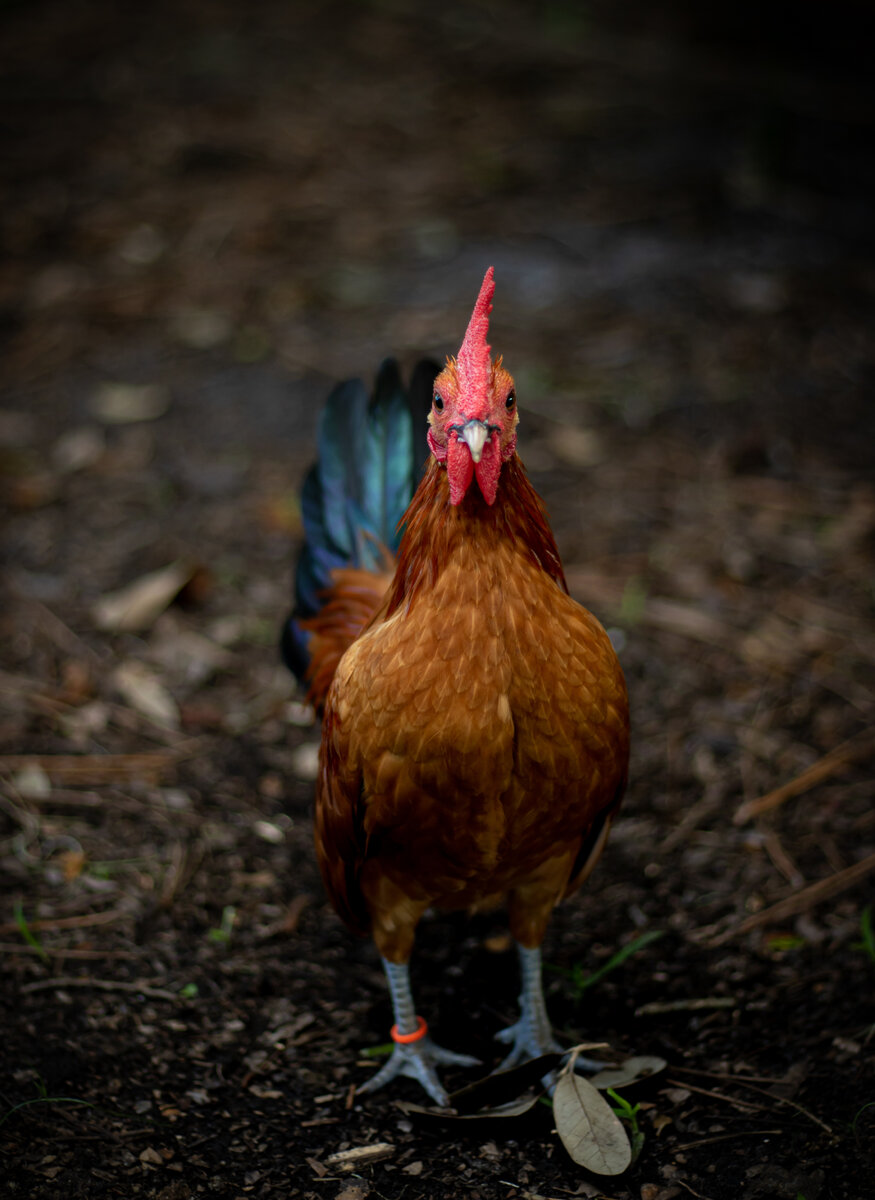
{"points": [[475, 733]]}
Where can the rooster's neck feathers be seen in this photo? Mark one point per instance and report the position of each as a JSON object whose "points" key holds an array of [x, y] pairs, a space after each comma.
{"points": [[434, 527]]}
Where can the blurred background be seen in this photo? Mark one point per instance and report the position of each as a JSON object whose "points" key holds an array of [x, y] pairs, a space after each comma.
{"points": [[210, 213]]}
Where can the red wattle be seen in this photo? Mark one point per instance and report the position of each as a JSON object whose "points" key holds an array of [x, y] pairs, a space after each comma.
{"points": [[488, 469], [460, 469]]}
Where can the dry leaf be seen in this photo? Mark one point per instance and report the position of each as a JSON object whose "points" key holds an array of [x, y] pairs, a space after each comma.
{"points": [[354, 1191], [32, 782], [145, 693], [305, 761], [516, 1108], [72, 864], [79, 448], [590, 1132], [138, 605], [188, 655], [358, 1156], [123, 403], [628, 1072]]}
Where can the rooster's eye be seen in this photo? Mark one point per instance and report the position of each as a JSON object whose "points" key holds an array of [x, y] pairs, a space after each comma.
{"points": [[510, 401], [438, 402]]}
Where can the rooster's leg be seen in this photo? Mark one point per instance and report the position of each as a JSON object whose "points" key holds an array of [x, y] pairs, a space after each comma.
{"points": [[532, 1035], [415, 1058]]}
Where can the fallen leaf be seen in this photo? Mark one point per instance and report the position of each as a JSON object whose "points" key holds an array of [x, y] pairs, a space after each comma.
{"points": [[72, 864], [138, 605], [630, 1071], [32, 782], [79, 448], [200, 328], [593, 1136], [305, 761], [503, 1088], [353, 1191], [124, 403], [145, 693], [188, 655], [347, 1160], [265, 1093], [516, 1108], [269, 832]]}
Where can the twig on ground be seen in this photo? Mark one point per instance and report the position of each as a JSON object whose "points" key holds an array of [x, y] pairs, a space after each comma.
{"points": [[727, 1078], [692, 1190], [853, 750], [56, 953], [776, 851], [669, 1006], [742, 1104], [793, 1104], [752, 1082], [81, 922], [725, 1137], [89, 770], [100, 985], [800, 902]]}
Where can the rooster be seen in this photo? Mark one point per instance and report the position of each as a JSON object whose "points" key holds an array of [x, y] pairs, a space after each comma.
{"points": [[475, 733]]}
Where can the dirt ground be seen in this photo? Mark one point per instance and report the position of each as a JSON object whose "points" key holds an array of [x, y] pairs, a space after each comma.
{"points": [[210, 213]]}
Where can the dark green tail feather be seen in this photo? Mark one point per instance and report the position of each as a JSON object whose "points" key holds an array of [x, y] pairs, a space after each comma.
{"points": [[371, 452]]}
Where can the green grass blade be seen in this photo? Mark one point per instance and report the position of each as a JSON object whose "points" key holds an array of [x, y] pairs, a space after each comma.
{"points": [[619, 958], [43, 1100], [26, 932]]}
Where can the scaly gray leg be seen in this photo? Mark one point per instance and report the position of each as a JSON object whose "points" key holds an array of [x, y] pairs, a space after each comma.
{"points": [[418, 1058], [532, 1035]]}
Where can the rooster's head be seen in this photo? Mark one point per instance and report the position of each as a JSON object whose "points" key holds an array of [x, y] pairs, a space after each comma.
{"points": [[473, 415]]}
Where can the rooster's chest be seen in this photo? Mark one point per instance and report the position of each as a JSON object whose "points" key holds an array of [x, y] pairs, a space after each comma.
{"points": [[483, 690]]}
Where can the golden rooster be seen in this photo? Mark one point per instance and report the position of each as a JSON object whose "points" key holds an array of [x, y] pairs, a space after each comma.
{"points": [[475, 735]]}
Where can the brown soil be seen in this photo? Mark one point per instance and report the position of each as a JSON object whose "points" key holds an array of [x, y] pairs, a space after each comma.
{"points": [[235, 205]]}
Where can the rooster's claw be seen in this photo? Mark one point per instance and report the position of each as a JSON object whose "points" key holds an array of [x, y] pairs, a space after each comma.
{"points": [[418, 1060]]}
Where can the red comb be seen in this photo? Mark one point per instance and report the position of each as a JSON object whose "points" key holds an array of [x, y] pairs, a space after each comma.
{"points": [[473, 362]]}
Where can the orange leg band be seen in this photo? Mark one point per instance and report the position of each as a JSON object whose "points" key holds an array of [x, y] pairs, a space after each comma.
{"points": [[404, 1039]]}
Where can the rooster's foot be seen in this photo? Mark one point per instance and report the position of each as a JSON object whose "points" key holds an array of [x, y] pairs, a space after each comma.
{"points": [[414, 1053], [532, 1035], [527, 1039], [418, 1060]]}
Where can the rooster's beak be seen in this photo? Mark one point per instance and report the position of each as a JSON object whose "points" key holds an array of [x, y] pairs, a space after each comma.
{"points": [[475, 434]]}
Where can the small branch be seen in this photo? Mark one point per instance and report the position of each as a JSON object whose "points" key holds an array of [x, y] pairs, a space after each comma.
{"points": [[726, 1137], [692, 1190], [90, 770], [742, 1104], [56, 953], [727, 1078], [100, 985], [670, 1006], [83, 922], [853, 750], [802, 901], [746, 1082], [793, 1104]]}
